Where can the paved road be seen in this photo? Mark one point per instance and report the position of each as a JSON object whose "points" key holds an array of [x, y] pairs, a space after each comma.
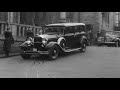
{"points": [[96, 62]]}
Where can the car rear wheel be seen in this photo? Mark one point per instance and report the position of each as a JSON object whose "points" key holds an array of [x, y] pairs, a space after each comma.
{"points": [[53, 52], [63, 45], [25, 56]]}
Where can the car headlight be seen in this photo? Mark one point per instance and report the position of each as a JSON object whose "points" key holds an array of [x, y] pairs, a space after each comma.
{"points": [[44, 41], [30, 40]]}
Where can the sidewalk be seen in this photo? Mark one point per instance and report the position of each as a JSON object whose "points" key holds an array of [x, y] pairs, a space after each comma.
{"points": [[11, 55]]}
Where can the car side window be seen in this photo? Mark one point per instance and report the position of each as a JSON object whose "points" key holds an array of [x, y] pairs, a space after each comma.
{"points": [[77, 29], [69, 30], [61, 30]]}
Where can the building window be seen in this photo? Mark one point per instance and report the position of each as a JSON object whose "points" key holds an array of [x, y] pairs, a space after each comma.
{"points": [[105, 18]]}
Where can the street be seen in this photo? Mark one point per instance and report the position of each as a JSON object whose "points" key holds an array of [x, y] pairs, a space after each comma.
{"points": [[96, 62]]}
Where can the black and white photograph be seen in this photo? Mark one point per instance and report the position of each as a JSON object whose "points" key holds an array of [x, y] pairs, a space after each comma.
{"points": [[59, 44]]}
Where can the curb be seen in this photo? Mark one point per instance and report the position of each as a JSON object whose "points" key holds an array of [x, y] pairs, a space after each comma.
{"points": [[3, 56]]}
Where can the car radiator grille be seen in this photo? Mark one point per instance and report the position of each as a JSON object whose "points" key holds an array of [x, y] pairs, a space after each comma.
{"points": [[37, 39], [38, 43]]}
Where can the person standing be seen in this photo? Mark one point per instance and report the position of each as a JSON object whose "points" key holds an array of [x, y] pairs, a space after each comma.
{"points": [[98, 35], [8, 41], [90, 37], [29, 33]]}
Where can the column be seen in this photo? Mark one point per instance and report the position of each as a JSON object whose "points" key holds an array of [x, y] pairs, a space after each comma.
{"points": [[10, 17], [62, 16], [116, 18], [19, 32], [18, 17]]}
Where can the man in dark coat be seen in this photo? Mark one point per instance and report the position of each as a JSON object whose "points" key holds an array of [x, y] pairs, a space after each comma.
{"points": [[29, 34], [7, 42]]}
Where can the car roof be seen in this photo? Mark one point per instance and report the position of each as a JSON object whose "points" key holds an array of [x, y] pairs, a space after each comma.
{"points": [[66, 24]]}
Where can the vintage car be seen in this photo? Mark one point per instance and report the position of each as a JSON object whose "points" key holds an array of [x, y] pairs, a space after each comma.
{"points": [[111, 38], [56, 39]]}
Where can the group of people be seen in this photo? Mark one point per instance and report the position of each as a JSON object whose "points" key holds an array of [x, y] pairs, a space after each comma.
{"points": [[9, 40]]}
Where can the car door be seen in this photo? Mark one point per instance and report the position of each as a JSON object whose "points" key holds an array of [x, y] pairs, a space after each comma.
{"points": [[69, 36], [76, 37], [79, 32]]}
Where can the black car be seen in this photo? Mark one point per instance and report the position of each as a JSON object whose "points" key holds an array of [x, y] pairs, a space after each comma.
{"points": [[56, 39]]}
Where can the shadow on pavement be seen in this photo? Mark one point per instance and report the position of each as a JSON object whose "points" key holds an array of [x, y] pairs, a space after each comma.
{"points": [[3, 56], [46, 58]]}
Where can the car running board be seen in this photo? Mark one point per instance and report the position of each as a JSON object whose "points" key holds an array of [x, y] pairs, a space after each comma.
{"points": [[70, 50]]}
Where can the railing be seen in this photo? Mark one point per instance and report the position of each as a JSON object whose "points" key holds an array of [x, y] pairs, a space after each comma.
{"points": [[19, 29], [3, 27]]}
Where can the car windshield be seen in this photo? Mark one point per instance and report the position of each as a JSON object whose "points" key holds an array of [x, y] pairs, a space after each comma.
{"points": [[53, 30]]}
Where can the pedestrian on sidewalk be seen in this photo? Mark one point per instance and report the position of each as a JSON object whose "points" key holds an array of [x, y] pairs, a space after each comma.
{"points": [[8, 41]]}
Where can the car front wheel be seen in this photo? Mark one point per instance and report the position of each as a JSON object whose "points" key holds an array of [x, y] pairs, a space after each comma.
{"points": [[25, 56], [53, 52]]}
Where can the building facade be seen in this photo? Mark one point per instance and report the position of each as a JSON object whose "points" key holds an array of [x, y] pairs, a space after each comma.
{"points": [[22, 21]]}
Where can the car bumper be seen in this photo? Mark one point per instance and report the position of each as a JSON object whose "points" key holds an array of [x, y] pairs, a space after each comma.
{"points": [[35, 52]]}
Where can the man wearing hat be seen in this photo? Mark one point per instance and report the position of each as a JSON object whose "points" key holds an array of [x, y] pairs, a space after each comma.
{"points": [[8, 41]]}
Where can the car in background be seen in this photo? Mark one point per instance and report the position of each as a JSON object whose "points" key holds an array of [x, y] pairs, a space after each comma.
{"points": [[56, 39], [111, 38]]}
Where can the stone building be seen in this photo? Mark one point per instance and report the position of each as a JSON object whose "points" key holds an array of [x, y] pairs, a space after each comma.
{"points": [[21, 21], [101, 21]]}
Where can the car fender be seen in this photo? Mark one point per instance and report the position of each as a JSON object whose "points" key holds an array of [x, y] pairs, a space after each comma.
{"points": [[51, 44], [60, 39]]}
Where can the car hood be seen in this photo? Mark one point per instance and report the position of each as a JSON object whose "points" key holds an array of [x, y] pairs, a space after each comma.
{"points": [[48, 36]]}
